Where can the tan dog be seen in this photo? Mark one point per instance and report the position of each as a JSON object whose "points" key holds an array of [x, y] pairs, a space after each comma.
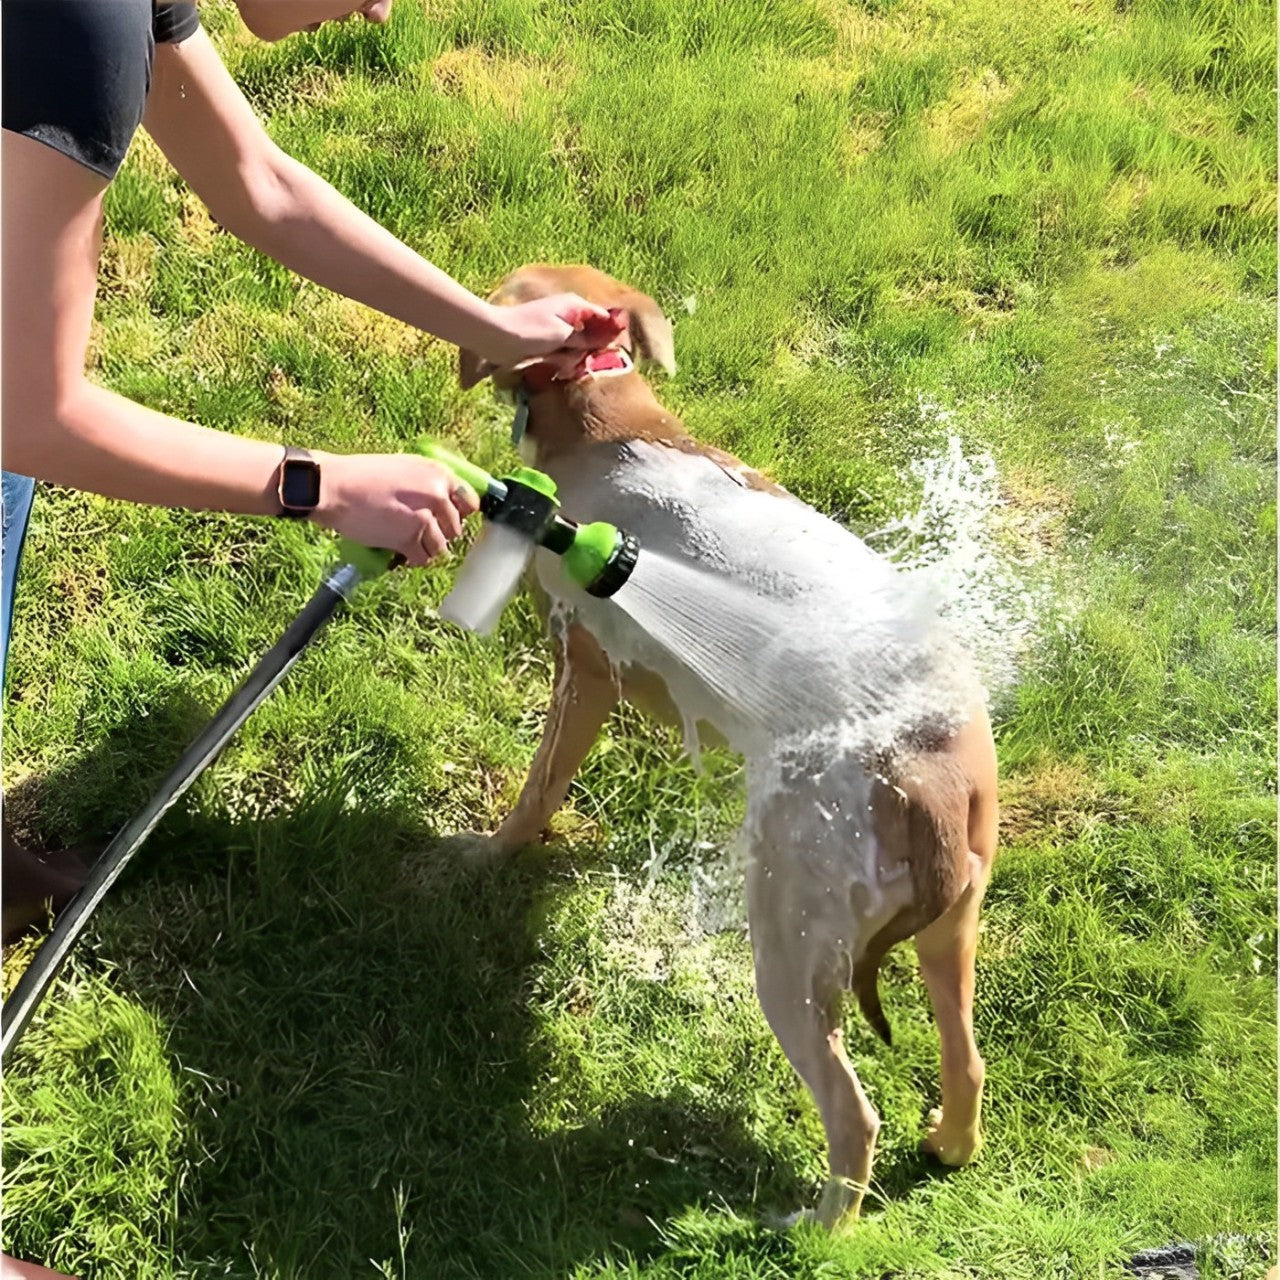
{"points": [[848, 851]]}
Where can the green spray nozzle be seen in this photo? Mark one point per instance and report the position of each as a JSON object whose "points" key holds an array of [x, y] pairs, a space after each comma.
{"points": [[601, 558], [598, 557], [477, 477]]}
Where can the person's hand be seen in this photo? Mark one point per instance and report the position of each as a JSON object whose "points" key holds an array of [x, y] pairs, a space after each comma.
{"points": [[562, 322], [398, 502], [274, 19], [375, 10]]}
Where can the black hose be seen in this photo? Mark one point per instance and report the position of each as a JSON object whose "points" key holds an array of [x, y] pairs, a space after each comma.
{"points": [[260, 682]]}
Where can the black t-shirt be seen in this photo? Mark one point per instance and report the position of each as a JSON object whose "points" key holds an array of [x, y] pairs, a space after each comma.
{"points": [[75, 73]]}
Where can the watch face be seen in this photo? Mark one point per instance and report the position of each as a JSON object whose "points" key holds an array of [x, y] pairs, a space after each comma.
{"points": [[300, 485]]}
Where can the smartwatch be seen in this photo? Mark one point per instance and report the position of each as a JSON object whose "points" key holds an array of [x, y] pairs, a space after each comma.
{"points": [[298, 483]]}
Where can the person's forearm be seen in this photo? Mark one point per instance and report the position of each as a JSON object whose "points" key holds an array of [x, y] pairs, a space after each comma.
{"points": [[309, 227], [99, 441], [275, 19]]}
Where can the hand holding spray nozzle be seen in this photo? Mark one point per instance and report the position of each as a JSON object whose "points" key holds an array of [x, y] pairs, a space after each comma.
{"points": [[522, 513], [599, 557]]}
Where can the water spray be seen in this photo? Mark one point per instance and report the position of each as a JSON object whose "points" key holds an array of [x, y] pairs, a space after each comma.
{"points": [[521, 512]]}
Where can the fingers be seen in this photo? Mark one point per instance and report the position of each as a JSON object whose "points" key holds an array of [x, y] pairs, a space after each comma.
{"points": [[593, 326], [444, 516], [604, 329], [411, 505], [447, 501], [426, 541], [464, 499], [431, 542], [579, 312], [576, 312]]}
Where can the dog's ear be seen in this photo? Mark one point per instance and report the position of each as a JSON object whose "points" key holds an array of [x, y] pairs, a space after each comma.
{"points": [[472, 369], [651, 331]]}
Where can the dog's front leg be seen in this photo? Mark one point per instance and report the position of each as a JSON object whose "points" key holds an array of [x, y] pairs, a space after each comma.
{"points": [[584, 693]]}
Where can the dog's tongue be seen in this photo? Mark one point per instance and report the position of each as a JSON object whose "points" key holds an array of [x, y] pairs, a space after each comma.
{"points": [[599, 361]]}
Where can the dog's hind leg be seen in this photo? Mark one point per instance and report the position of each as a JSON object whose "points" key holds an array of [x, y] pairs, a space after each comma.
{"points": [[801, 1003], [947, 949], [808, 1029]]}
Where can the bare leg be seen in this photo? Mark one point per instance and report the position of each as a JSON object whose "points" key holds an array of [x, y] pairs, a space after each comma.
{"points": [[12, 1269]]}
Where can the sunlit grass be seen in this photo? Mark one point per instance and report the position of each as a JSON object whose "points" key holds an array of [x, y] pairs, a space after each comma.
{"points": [[300, 1044]]}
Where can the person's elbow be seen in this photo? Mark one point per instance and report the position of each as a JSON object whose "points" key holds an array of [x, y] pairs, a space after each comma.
{"points": [[41, 417], [260, 203]]}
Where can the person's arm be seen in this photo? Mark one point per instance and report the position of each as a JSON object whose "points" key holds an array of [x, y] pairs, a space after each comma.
{"points": [[209, 133], [60, 427], [275, 19]]}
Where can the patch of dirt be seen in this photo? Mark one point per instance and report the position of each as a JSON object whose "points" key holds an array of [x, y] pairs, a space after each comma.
{"points": [[365, 329], [127, 265], [1058, 799], [1033, 514], [198, 226], [486, 81], [861, 139], [859, 29]]}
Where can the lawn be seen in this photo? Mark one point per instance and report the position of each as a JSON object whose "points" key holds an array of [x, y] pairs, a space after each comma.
{"points": [[299, 1042]]}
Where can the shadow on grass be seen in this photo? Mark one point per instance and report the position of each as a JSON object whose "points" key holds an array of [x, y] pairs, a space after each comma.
{"points": [[365, 1066]]}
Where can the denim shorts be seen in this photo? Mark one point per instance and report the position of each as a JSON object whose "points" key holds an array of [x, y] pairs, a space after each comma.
{"points": [[18, 492]]}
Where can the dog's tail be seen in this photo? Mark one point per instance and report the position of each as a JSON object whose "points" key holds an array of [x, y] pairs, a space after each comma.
{"points": [[923, 806], [864, 982]]}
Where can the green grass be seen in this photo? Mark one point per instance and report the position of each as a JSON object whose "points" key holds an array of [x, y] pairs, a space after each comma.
{"points": [[300, 1043]]}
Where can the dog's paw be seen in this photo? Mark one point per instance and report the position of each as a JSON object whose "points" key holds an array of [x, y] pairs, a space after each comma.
{"points": [[953, 1147], [837, 1210], [841, 1203], [776, 1220], [475, 849]]}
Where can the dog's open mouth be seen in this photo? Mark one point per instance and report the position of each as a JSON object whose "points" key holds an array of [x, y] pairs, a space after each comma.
{"points": [[611, 360], [575, 367], [607, 360]]}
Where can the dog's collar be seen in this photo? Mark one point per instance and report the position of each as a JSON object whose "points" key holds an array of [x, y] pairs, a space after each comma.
{"points": [[521, 420], [610, 362]]}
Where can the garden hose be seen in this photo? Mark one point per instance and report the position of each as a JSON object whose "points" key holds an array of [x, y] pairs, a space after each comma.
{"points": [[261, 681], [597, 557]]}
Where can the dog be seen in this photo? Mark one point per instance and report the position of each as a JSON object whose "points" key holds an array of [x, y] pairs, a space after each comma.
{"points": [[852, 845]]}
